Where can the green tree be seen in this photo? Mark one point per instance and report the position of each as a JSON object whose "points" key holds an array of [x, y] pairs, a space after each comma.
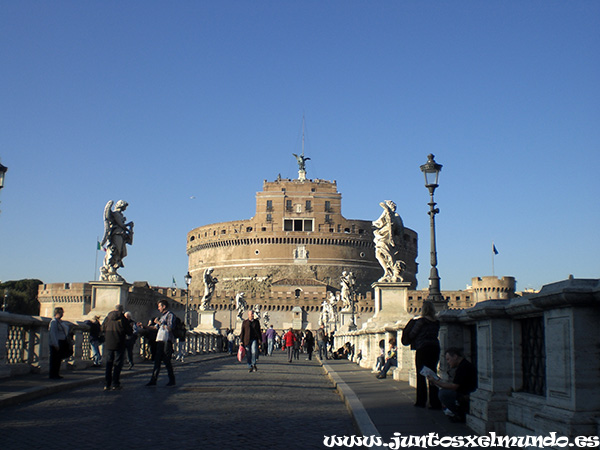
{"points": [[21, 296]]}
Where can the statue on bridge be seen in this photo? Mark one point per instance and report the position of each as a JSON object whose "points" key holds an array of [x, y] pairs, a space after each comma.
{"points": [[388, 231], [347, 281], [209, 288], [240, 305], [118, 233]]}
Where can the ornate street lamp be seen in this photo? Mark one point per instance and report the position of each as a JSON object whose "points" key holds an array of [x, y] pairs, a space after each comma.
{"points": [[231, 303], [188, 279], [3, 170], [431, 170]]}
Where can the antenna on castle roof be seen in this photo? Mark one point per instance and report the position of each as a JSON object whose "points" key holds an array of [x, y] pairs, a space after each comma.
{"points": [[301, 158]]}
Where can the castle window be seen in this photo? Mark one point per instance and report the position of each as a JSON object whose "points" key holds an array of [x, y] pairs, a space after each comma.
{"points": [[248, 229], [298, 225], [288, 205], [192, 238], [308, 205], [269, 205], [327, 218], [269, 217], [327, 206]]}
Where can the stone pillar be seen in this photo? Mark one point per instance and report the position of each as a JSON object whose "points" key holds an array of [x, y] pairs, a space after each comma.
{"points": [[206, 321], [572, 345], [346, 321], [390, 302], [106, 295], [4, 367], [494, 367]]}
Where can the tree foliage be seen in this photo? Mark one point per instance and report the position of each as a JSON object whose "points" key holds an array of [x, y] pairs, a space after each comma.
{"points": [[22, 296]]}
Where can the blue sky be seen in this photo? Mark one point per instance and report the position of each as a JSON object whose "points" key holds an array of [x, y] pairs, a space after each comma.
{"points": [[157, 102]]}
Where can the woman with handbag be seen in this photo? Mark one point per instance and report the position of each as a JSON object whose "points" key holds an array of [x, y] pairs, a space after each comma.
{"points": [[60, 346], [424, 339]]}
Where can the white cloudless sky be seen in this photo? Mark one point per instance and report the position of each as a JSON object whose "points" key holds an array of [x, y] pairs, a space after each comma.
{"points": [[156, 103]]}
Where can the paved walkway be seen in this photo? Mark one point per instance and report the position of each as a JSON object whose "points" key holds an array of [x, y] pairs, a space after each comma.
{"points": [[216, 404], [383, 406]]}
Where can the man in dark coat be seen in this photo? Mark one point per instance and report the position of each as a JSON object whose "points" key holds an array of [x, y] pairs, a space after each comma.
{"points": [[251, 336], [115, 328]]}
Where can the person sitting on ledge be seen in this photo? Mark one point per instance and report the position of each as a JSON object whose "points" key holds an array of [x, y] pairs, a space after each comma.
{"points": [[455, 395], [391, 359], [381, 358]]}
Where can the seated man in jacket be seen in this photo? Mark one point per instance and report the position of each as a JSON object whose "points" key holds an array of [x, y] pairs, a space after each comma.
{"points": [[454, 395]]}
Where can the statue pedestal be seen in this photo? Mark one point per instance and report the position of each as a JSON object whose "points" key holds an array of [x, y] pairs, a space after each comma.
{"points": [[346, 321], [206, 322], [106, 295], [390, 305]]}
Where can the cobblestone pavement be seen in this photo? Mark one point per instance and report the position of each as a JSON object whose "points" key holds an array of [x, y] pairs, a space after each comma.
{"points": [[216, 404]]}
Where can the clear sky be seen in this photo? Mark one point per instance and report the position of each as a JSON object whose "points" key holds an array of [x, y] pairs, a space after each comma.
{"points": [[184, 108]]}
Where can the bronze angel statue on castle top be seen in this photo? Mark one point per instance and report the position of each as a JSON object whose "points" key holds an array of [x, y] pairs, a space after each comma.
{"points": [[117, 234]]}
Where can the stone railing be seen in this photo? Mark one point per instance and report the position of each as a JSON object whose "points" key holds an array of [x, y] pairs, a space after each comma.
{"points": [[24, 345], [537, 357]]}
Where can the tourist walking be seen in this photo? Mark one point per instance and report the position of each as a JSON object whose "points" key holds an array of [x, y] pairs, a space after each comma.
{"points": [[297, 343], [96, 339], [164, 343], [230, 341], [131, 338], [115, 328], [289, 339], [250, 338], [310, 344], [322, 342], [271, 334], [59, 343], [424, 339]]}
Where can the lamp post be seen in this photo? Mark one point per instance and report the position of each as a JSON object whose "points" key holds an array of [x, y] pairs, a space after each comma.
{"points": [[188, 279], [431, 170], [3, 170], [5, 304]]}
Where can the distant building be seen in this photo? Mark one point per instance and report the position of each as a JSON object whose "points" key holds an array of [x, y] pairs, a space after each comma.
{"points": [[291, 253]]}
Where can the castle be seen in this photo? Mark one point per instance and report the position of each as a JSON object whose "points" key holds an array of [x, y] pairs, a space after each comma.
{"points": [[287, 260]]}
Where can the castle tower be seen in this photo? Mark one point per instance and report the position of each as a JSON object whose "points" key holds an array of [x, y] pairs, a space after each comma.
{"points": [[493, 288], [297, 238]]}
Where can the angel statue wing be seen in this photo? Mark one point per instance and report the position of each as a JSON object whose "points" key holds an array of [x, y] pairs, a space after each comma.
{"points": [[107, 222]]}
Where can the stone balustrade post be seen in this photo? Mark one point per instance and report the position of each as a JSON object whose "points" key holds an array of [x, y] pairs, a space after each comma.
{"points": [[4, 367], [494, 366]]}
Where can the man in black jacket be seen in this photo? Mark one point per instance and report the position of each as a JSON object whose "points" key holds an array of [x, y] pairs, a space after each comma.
{"points": [[454, 395], [250, 337], [115, 327]]}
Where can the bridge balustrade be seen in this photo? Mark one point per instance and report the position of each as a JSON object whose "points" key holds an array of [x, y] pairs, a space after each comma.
{"points": [[24, 345]]}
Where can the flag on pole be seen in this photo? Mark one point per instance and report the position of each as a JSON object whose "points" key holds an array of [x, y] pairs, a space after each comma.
{"points": [[99, 246], [174, 282], [494, 249]]}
